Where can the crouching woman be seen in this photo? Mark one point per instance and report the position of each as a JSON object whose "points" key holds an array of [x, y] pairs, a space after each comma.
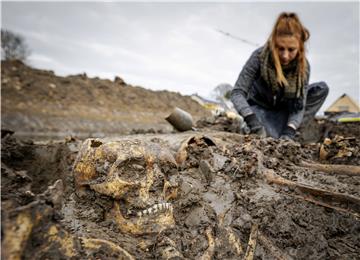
{"points": [[272, 92]]}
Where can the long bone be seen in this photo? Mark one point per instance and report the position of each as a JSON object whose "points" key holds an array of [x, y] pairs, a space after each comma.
{"points": [[233, 240], [351, 170], [209, 253], [250, 251], [272, 177], [93, 244], [323, 204]]}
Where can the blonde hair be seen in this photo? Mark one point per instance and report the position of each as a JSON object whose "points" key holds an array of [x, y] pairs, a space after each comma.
{"points": [[288, 24]]}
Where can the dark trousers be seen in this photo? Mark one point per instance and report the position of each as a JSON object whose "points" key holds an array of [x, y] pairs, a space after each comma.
{"points": [[275, 121]]}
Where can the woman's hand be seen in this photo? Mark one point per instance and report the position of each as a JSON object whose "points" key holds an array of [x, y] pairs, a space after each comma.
{"points": [[288, 133], [255, 126]]}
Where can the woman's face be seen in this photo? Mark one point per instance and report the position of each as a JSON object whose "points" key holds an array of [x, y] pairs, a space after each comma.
{"points": [[287, 47]]}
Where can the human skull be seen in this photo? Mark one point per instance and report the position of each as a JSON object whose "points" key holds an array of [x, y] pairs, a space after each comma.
{"points": [[139, 177]]}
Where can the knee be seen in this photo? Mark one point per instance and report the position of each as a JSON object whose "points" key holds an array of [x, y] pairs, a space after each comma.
{"points": [[324, 88], [319, 89]]}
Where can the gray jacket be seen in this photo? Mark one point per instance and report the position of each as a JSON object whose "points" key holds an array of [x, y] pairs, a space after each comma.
{"points": [[251, 88]]}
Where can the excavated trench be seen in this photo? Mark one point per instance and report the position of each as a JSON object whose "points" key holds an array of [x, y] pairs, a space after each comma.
{"points": [[236, 196]]}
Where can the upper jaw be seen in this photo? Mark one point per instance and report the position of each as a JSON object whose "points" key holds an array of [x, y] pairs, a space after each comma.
{"points": [[145, 221], [154, 209]]}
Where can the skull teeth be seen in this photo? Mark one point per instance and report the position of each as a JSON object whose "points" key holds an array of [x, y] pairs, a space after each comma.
{"points": [[162, 207]]}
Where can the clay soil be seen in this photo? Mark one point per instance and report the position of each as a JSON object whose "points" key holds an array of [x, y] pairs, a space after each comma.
{"points": [[226, 194]]}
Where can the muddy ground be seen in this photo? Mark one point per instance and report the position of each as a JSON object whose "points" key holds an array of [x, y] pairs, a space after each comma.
{"points": [[213, 194], [228, 196]]}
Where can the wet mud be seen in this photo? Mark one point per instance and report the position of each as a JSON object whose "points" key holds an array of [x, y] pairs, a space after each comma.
{"points": [[227, 192]]}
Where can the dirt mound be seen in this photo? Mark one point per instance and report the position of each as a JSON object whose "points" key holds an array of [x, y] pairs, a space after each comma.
{"points": [[38, 103]]}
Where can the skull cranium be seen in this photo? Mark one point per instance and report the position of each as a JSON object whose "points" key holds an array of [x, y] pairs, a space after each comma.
{"points": [[140, 178]]}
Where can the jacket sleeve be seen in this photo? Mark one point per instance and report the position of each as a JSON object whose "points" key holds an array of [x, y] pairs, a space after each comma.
{"points": [[296, 117], [242, 86]]}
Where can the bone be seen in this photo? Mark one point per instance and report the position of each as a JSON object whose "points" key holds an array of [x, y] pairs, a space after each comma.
{"points": [[350, 170], [93, 245], [340, 197], [250, 251], [138, 167], [323, 204], [234, 241], [352, 202], [209, 253]]}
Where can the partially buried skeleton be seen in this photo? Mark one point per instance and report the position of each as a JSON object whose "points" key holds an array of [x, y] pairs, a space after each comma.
{"points": [[139, 185], [139, 182]]}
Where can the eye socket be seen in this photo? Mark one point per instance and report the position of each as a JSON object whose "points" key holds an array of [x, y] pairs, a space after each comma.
{"points": [[291, 49], [132, 169]]}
